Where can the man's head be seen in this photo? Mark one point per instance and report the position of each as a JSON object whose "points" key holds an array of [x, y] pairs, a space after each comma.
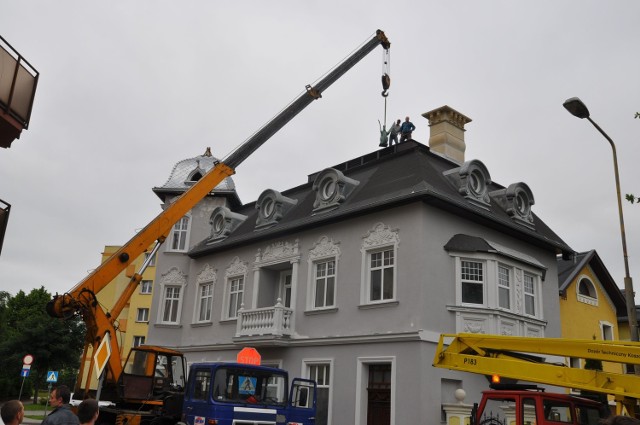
{"points": [[12, 412], [59, 396], [407, 119], [88, 411], [398, 122]]}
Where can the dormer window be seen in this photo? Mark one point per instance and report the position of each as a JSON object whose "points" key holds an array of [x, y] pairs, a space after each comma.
{"points": [[223, 221], [332, 188], [517, 200], [272, 206], [194, 176], [472, 180]]}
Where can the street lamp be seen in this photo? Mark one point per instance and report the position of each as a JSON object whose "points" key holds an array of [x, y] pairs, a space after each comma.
{"points": [[579, 109]]}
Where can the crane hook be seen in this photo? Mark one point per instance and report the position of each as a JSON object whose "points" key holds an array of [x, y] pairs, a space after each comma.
{"points": [[386, 83]]}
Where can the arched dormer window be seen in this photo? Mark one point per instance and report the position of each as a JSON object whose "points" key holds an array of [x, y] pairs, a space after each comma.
{"points": [[586, 291], [517, 200], [194, 176], [332, 188], [472, 180], [224, 221], [272, 206]]}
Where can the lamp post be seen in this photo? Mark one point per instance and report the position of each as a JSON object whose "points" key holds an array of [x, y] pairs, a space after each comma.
{"points": [[579, 109]]}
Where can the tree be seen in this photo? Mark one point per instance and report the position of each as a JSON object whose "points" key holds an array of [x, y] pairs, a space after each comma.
{"points": [[25, 328]]}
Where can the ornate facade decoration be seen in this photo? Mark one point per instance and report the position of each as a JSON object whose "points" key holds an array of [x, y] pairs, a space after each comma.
{"points": [[325, 247], [236, 268], [208, 274], [174, 277], [380, 235]]}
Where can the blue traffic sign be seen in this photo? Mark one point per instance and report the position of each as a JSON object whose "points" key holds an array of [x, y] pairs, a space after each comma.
{"points": [[52, 376], [24, 373]]}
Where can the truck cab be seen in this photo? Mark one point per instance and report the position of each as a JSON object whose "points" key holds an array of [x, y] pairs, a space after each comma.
{"points": [[238, 393], [530, 405]]}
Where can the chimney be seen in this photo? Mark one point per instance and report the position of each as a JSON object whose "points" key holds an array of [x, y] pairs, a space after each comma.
{"points": [[446, 135]]}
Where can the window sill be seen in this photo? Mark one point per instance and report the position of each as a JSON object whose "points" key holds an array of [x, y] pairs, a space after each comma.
{"points": [[383, 304], [201, 324], [320, 311], [168, 325], [231, 320]]}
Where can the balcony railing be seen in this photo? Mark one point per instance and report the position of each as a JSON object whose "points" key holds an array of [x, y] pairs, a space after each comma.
{"points": [[265, 321]]}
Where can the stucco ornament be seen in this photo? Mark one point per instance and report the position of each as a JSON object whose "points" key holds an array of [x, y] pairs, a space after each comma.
{"points": [[279, 250], [325, 247], [174, 277], [380, 235], [236, 268], [208, 274]]}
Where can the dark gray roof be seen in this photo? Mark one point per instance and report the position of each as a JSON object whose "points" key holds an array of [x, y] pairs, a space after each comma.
{"points": [[569, 269], [389, 177]]}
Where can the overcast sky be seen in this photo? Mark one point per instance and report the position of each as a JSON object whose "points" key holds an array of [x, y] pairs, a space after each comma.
{"points": [[128, 88]]}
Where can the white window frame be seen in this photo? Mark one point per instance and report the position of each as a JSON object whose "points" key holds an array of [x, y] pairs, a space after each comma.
{"points": [[142, 315], [315, 279], [505, 288], [204, 299], [324, 251], [535, 295], [491, 297], [362, 378], [138, 340], [607, 330], [174, 280], [586, 299], [380, 238], [146, 286], [171, 297], [306, 372], [236, 296], [482, 283], [183, 230]]}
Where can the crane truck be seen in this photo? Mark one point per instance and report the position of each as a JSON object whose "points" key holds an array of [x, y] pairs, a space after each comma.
{"points": [[521, 358], [140, 391]]}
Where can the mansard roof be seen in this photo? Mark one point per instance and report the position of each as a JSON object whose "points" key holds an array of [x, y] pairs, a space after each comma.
{"points": [[386, 178], [186, 172]]}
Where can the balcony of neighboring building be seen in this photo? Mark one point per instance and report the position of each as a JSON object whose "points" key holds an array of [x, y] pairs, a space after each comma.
{"points": [[18, 81]]}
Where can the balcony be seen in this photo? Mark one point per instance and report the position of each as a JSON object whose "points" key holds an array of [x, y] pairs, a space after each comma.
{"points": [[267, 323], [18, 81]]}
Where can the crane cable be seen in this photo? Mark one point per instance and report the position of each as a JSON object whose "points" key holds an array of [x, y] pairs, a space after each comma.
{"points": [[386, 83]]}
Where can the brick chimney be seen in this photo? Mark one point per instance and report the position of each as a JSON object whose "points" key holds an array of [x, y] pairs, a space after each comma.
{"points": [[446, 136]]}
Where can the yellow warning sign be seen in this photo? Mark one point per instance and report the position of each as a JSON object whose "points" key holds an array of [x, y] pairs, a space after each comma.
{"points": [[101, 357]]}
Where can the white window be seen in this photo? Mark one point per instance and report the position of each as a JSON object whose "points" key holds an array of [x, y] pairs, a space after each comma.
{"points": [[205, 301], [381, 275], [180, 235], [607, 331], [236, 296], [171, 304], [504, 287], [284, 292], [324, 284], [146, 286], [379, 259], [530, 304], [143, 315], [138, 340], [472, 280], [321, 373]]}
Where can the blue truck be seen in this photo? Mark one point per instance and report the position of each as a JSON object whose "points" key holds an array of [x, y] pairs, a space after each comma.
{"points": [[245, 394]]}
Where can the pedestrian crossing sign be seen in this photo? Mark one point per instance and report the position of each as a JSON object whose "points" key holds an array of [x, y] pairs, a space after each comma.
{"points": [[247, 385], [52, 376]]}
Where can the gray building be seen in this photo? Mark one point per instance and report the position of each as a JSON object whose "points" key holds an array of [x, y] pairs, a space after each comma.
{"points": [[350, 278]]}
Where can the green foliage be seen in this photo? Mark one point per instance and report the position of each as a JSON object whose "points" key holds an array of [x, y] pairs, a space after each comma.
{"points": [[631, 198], [26, 328]]}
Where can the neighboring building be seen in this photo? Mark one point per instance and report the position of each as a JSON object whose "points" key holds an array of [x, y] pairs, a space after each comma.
{"points": [[350, 277], [133, 322], [590, 302]]}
